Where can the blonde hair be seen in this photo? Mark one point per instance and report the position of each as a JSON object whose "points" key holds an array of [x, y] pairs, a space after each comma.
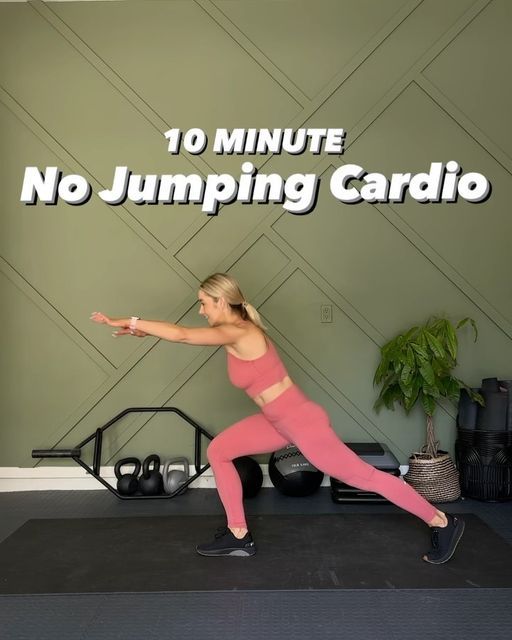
{"points": [[222, 285]]}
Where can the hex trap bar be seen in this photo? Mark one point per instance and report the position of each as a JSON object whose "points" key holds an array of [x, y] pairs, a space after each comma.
{"points": [[97, 436]]}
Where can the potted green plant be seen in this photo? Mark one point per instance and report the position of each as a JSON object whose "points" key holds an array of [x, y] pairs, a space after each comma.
{"points": [[416, 366]]}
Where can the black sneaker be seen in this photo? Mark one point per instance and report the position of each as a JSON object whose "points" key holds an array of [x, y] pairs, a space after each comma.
{"points": [[227, 544], [445, 540]]}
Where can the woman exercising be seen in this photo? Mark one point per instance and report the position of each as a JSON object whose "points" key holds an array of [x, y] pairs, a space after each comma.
{"points": [[287, 416]]}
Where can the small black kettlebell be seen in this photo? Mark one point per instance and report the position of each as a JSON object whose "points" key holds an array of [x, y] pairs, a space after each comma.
{"points": [[127, 483], [151, 482]]}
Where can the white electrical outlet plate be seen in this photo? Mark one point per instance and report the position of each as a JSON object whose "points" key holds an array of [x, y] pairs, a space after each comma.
{"points": [[326, 313]]}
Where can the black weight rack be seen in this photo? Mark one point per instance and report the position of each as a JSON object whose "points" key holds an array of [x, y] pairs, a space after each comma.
{"points": [[76, 453]]}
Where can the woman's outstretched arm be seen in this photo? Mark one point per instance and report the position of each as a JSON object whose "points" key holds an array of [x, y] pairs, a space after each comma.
{"points": [[207, 336]]}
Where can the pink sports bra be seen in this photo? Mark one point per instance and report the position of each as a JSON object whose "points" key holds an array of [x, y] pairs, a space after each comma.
{"points": [[254, 376]]}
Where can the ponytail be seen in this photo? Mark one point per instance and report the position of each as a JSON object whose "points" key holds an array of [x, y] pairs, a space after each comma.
{"points": [[251, 314]]}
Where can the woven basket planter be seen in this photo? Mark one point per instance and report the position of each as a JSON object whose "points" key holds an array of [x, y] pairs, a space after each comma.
{"points": [[436, 479]]}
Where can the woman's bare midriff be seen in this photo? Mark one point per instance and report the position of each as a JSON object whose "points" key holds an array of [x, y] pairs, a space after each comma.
{"points": [[272, 392]]}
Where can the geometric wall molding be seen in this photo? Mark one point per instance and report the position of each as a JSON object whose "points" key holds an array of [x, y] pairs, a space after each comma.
{"points": [[462, 72], [88, 86]]}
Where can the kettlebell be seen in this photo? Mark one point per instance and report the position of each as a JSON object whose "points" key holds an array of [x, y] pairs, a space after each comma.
{"points": [[127, 483], [150, 482], [174, 478]]}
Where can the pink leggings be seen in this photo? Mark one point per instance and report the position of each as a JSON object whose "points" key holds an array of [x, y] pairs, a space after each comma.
{"points": [[294, 418]]}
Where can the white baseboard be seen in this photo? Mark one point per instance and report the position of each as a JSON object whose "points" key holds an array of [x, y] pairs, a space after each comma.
{"points": [[77, 479]]}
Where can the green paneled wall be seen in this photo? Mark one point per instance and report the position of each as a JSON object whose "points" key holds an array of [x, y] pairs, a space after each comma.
{"points": [[87, 86]]}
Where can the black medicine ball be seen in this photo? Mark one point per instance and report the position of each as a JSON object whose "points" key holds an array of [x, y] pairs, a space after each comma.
{"points": [[292, 474], [250, 474]]}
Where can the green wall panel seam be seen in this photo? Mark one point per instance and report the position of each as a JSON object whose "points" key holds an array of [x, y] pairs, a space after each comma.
{"points": [[368, 51], [465, 123], [446, 269], [112, 77], [337, 81], [414, 71], [245, 43], [142, 107], [239, 244], [150, 114], [55, 316], [341, 301], [315, 104], [424, 248], [323, 97], [263, 226], [421, 245], [68, 160], [397, 89], [473, 12]]}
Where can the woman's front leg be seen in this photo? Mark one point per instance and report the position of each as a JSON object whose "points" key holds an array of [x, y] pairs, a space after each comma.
{"points": [[250, 436]]}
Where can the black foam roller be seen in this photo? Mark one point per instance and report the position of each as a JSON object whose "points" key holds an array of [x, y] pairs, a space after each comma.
{"points": [[493, 417], [490, 384], [507, 384], [468, 410]]}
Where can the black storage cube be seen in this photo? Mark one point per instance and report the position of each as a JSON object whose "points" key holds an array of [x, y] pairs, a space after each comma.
{"points": [[484, 460]]}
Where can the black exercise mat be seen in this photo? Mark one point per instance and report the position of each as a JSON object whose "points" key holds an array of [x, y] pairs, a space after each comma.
{"points": [[143, 554]]}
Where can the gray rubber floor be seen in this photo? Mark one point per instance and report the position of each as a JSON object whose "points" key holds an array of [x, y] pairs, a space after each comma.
{"points": [[359, 614]]}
